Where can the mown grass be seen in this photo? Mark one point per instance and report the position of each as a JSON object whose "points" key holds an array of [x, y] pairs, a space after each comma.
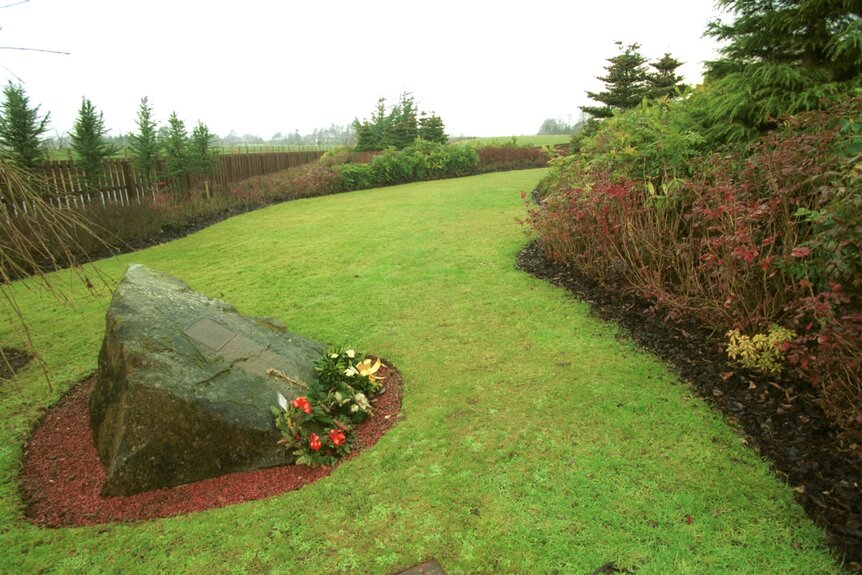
{"points": [[534, 438], [519, 140]]}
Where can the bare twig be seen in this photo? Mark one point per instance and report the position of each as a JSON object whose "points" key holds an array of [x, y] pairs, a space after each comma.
{"points": [[34, 50], [17, 77], [14, 4], [33, 244]]}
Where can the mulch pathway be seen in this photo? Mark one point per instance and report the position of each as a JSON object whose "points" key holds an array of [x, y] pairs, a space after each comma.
{"points": [[62, 476], [779, 417]]}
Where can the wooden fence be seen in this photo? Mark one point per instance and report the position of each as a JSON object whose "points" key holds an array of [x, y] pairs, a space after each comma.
{"points": [[121, 184]]}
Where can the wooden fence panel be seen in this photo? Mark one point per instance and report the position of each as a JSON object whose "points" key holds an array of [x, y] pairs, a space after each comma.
{"points": [[121, 183]]}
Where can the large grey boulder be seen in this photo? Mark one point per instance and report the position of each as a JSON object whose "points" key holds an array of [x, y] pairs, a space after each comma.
{"points": [[182, 392]]}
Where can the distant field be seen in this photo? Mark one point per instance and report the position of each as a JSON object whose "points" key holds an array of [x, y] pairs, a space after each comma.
{"points": [[519, 140]]}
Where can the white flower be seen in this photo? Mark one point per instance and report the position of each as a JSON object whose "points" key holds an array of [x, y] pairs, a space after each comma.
{"points": [[361, 401], [350, 353], [354, 408], [333, 356], [348, 372]]}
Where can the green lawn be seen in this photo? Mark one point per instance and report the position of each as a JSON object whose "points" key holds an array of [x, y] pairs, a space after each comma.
{"points": [[534, 438], [519, 140]]}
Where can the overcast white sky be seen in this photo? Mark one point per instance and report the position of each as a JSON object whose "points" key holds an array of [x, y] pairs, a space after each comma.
{"points": [[487, 68]]}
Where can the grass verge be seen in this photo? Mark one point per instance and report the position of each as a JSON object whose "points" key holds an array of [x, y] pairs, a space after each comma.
{"points": [[533, 439]]}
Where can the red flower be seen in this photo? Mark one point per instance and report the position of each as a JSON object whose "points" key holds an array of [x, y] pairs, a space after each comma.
{"points": [[302, 404], [337, 436], [314, 442]]}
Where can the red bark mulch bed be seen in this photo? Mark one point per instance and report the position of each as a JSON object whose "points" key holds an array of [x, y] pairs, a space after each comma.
{"points": [[62, 476]]}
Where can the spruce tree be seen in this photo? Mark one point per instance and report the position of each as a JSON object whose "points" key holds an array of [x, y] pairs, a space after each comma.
{"points": [[380, 125], [431, 129], [364, 136], [398, 127], [780, 57], [402, 123], [821, 37], [201, 152], [21, 128], [144, 145], [625, 83], [175, 145], [88, 142], [664, 82]]}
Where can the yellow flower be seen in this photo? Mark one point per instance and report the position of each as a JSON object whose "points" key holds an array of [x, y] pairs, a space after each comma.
{"points": [[367, 369]]}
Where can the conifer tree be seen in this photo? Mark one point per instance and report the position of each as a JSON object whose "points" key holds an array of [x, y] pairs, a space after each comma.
{"points": [[402, 123], [175, 146], [364, 136], [398, 127], [823, 37], [431, 129], [380, 125], [201, 152], [664, 82], [21, 128], [780, 57], [144, 144], [88, 142], [625, 83]]}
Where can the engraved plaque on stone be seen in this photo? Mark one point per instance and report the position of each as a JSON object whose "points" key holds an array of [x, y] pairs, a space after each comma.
{"points": [[210, 334]]}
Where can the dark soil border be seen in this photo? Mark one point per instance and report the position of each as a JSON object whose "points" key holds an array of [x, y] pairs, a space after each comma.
{"points": [[61, 475], [12, 360], [779, 417]]}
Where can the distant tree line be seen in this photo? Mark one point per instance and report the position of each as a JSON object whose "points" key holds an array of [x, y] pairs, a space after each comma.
{"points": [[556, 127], [332, 135], [398, 126]]}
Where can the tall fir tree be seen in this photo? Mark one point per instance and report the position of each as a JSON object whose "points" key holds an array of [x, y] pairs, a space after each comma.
{"points": [[625, 83], [403, 127], [201, 151], [21, 128], [365, 140], [380, 125], [780, 57], [144, 145], [664, 81], [397, 127], [88, 143], [821, 37], [431, 129], [175, 144]]}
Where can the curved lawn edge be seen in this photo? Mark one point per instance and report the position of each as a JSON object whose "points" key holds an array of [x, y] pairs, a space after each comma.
{"points": [[798, 441], [633, 469]]}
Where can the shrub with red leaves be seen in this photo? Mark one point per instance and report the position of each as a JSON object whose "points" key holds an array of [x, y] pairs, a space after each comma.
{"points": [[771, 235], [503, 158]]}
